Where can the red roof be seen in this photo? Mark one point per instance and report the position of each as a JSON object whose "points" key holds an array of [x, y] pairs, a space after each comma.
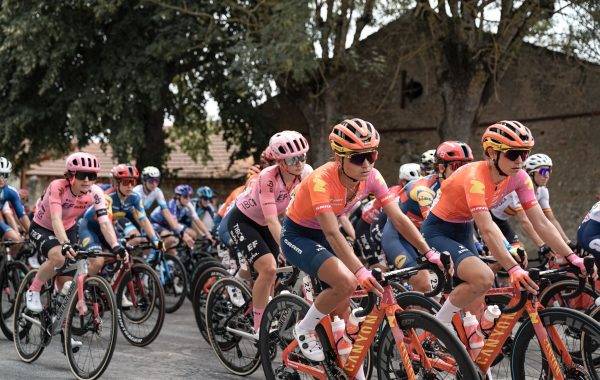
{"points": [[215, 168]]}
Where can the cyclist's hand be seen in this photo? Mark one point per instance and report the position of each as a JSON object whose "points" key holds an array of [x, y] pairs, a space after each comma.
{"points": [[572, 245], [519, 256], [543, 250], [433, 256], [120, 251], [188, 240], [281, 257], [210, 238], [368, 282], [577, 261], [68, 251], [519, 277], [158, 244]]}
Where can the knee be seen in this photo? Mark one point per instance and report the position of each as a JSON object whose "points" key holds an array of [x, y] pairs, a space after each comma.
{"points": [[483, 280], [268, 273], [55, 257], [345, 285], [421, 282]]}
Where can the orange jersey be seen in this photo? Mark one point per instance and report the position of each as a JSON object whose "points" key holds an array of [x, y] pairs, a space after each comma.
{"points": [[470, 189], [237, 191], [322, 191]]}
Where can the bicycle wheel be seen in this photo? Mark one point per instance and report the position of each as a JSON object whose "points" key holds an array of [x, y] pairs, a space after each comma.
{"points": [[95, 328], [554, 295], [528, 361], [201, 289], [229, 321], [175, 283], [29, 328], [202, 266], [591, 348], [10, 279], [142, 322], [439, 345]]}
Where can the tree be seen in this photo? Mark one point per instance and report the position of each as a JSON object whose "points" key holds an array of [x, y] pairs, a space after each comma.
{"points": [[111, 71]]}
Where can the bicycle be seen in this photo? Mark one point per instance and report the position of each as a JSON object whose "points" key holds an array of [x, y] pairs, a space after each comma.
{"points": [[535, 320], [88, 311], [12, 273], [412, 342]]}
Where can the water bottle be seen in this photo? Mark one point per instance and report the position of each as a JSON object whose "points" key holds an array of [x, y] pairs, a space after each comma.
{"points": [[344, 346], [65, 289], [307, 289], [471, 326], [597, 301], [489, 317], [353, 325]]}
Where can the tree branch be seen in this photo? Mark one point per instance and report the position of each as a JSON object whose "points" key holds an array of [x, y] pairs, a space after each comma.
{"points": [[363, 20], [341, 31]]}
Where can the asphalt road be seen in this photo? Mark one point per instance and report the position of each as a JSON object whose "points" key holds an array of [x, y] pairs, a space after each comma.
{"points": [[179, 352]]}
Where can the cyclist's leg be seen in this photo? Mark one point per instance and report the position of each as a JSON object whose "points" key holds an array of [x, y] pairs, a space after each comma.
{"points": [[90, 238], [403, 255], [8, 233]]}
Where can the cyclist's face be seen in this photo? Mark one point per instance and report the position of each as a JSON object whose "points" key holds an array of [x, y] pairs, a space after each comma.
{"points": [[151, 184], [542, 180], [509, 167], [360, 172], [184, 199], [126, 187], [82, 186]]}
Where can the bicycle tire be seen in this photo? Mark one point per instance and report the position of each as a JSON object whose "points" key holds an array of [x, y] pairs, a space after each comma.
{"points": [[178, 276], [202, 266], [141, 330], [221, 313], [572, 319], [10, 279], [201, 290], [591, 348], [549, 297], [445, 342], [24, 329], [101, 298]]}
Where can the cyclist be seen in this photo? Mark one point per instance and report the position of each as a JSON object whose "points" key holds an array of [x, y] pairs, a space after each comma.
{"points": [[408, 172], [311, 239], [9, 197], [539, 168], [466, 196], [427, 160], [254, 220], [181, 207], [149, 191], [54, 229], [588, 234], [205, 207], [126, 210], [415, 201]]}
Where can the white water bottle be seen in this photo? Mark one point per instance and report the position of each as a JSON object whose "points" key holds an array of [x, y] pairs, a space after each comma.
{"points": [[491, 313], [471, 326], [344, 346]]}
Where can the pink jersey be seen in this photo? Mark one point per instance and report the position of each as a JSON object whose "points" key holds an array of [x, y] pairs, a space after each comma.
{"points": [[58, 199], [268, 195]]}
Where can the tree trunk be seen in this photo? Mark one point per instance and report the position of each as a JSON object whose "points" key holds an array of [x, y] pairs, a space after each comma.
{"points": [[154, 152]]}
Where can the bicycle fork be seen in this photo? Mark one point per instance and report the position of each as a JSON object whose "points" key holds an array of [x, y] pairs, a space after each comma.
{"points": [[546, 346]]}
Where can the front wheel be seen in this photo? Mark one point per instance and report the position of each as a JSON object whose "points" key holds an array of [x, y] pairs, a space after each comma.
{"points": [[175, 282], [200, 294], [10, 279], [528, 359], [92, 322], [445, 352]]}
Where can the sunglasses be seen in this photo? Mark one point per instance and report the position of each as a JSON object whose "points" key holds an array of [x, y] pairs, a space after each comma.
{"points": [[456, 164], [290, 161], [513, 154], [4, 175], [186, 196], [153, 181], [206, 199], [545, 172], [128, 182], [359, 158], [91, 176]]}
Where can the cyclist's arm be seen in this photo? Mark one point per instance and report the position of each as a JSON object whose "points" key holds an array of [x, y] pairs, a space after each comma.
{"points": [[550, 215], [274, 227], [343, 251], [528, 228], [108, 231], [170, 219], [25, 222], [547, 231], [147, 226], [493, 238], [9, 218], [347, 226], [405, 227]]}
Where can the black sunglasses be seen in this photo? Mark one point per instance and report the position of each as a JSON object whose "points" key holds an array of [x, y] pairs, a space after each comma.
{"points": [[514, 154], [89, 175], [4, 175], [359, 158]]}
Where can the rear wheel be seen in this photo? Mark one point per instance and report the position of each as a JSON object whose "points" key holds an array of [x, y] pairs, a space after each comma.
{"points": [[201, 289], [175, 285], [29, 328], [10, 280], [591, 348]]}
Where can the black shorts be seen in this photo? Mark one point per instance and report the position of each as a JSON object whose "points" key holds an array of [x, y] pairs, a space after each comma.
{"points": [[364, 245], [250, 238], [506, 229], [44, 239]]}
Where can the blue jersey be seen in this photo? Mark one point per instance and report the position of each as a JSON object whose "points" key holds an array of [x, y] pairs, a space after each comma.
{"points": [[11, 195], [180, 213], [416, 198], [131, 207]]}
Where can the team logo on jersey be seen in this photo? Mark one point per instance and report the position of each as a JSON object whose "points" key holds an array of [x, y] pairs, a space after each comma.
{"points": [[399, 261], [477, 187], [85, 242], [319, 185], [528, 183], [379, 178]]}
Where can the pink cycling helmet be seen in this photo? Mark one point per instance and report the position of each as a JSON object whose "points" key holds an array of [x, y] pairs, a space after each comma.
{"points": [[287, 144], [82, 162]]}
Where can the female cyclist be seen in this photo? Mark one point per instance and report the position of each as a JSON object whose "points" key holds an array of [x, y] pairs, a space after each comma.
{"points": [[311, 239], [254, 220]]}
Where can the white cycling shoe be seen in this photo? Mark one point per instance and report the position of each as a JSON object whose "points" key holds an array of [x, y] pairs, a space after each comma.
{"points": [[309, 344], [33, 301]]}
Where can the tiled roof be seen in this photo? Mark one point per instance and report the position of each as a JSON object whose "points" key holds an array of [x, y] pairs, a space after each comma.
{"points": [[215, 168]]}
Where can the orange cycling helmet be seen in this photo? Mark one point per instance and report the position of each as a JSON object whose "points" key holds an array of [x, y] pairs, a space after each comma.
{"points": [[122, 171], [506, 135], [353, 135], [450, 151]]}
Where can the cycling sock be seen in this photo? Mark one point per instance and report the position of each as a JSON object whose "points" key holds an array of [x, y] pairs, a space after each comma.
{"points": [[311, 319], [257, 317], [447, 312], [36, 285]]}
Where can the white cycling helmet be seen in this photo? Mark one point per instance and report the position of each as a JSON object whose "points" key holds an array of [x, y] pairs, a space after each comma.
{"points": [[409, 172], [427, 160], [150, 172], [5, 165], [536, 161]]}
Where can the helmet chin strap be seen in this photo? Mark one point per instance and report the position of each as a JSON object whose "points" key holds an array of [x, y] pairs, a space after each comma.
{"points": [[344, 172], [498, 167]]}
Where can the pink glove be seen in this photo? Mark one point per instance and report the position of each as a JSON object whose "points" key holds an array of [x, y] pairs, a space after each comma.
{"points": [[433, 257], [577, 261], [365, 278]]}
